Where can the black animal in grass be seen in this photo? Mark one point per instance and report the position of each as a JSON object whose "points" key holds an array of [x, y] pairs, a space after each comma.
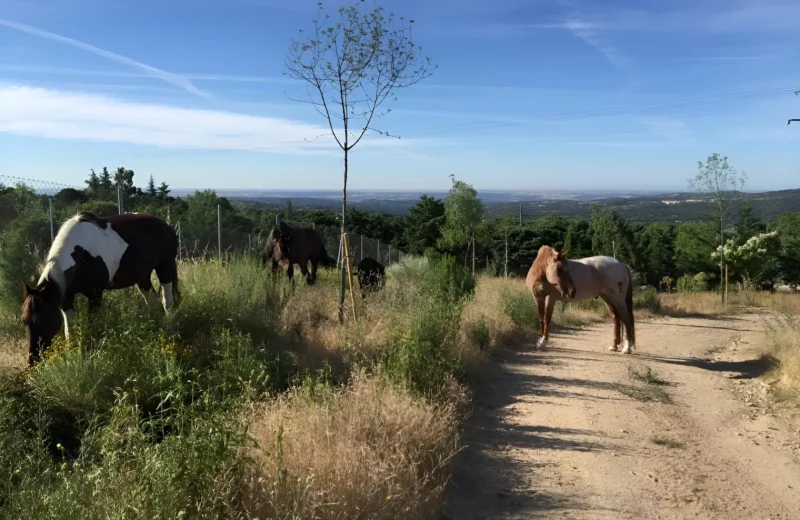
{"points": [[289, 245], [90, 255], [371, 275]]}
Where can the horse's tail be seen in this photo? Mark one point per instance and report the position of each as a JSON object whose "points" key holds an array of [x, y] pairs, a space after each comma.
{"points": [[629, 304], [325, 260]]}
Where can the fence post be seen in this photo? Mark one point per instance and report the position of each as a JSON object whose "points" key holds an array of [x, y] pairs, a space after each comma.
{"points": [[314, 225], [219, 231], [119, 199], [506, 269], [52, 228], [379, 250], [277, 219], [249, 242], [389, 255], [362, 246]]}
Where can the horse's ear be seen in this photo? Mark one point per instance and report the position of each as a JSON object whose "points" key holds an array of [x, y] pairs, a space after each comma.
{"points": [[26, 290]]}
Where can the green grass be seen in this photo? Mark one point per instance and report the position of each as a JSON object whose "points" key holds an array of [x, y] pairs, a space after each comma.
{"points": [[646, 376], [645, 394], [146, 415], [666, 443]]}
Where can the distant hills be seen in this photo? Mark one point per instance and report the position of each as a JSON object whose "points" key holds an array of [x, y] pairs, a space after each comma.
{"points": [[637, 205]]}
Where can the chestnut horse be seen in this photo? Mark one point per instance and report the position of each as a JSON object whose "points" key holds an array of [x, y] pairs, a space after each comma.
{"points": [[553, 278], [90, 255], [297, 245]]}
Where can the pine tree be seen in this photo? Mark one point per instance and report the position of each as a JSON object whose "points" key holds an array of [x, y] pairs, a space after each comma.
{"points": [[163, 190], [151, 187], [93, 184], [106, 185]]}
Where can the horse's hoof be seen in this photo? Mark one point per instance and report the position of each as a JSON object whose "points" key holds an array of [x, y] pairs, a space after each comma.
{"points": [[541, 344], [628, 348], [613, 348]]}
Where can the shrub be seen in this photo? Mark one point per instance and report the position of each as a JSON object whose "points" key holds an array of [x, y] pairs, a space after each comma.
{"points": [[24, 245], [480, 333], [520, 307], [449, 281], [688, 284], [410, 269], [646, 299]]}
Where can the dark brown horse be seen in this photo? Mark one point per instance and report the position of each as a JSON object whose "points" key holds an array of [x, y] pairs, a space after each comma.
{"points": [[90, 255], [297, 245], [371, 275], [552, 277]]}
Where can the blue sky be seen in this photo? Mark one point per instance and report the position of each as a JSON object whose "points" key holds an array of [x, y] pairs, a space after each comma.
{"points": [[192, 92]]}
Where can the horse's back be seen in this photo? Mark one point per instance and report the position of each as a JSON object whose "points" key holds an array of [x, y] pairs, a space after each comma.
{"points": [[612, 275], [145, 231]]}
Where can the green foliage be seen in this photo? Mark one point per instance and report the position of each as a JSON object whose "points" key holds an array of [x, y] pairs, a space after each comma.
{"points": [[411, 269], [481, 333], [23, 246], [694, 244], [689, 284], [423, 224], [646, 299], [463, 212], [520, 307], [448, 281]]}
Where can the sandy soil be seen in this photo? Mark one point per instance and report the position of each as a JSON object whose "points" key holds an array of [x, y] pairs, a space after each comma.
{"points": [[570, 433]]}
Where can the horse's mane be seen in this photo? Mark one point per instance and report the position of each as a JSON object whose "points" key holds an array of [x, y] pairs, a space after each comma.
{"points": [[28, 310], [541, 262]]}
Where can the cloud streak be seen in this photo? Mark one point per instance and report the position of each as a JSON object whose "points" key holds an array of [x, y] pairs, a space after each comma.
{"points": [[169, 77], [56, 114], [590, 35]]}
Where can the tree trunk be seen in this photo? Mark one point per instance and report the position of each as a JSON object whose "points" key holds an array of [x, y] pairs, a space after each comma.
{"points": [[344, 216], [722, 280]]}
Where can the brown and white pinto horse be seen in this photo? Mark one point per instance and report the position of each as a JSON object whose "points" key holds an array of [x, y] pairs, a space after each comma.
{"points": [[90, 255], [553, 278]]}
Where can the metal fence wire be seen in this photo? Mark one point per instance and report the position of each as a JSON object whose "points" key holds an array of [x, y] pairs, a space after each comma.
{"points": [[42, 207]]}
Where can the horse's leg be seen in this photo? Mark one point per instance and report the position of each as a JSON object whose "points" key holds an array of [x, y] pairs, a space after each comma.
{"points": [[148, 292], [305, 273], [616, 320], [540, 303], [314, 264], [290, 272], [549, 305], [630, 332], [167, 273], [67, 311]]}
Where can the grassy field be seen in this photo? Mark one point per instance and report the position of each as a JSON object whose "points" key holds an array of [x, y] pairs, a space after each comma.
{"points": [[251, 400]]}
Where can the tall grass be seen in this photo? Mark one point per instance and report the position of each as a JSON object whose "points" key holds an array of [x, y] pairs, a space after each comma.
{"points": [[783, 335]]}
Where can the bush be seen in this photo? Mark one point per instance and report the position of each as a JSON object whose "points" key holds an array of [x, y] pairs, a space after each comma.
{"points": [[449, 281], [689, 284], [646, 299], [520, 307], [24, 245], [410, 269], [480, 333]]}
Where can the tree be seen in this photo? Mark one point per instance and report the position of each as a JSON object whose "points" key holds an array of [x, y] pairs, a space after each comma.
{"points": [[748, 225], [105, 186], [352, 66], [93, 184], [463, 214], [694, 242], [753, 258], [163, 191], [717, 178], [424, 224], [287, 210], [151, 187], [657, 245]]}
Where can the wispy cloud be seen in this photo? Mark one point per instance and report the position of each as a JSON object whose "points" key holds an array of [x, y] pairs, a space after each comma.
{"points": [[64, 115], [68, 71], [667, 128], [588, 33], [169, 77]]}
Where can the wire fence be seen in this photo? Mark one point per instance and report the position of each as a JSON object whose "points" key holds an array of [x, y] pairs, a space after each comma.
{"points": [[45, 205]]}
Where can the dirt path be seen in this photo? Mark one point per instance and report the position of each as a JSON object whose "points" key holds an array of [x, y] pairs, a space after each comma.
{"points": [[569, 433]]}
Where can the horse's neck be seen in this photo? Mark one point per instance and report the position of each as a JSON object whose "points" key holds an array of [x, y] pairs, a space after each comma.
{"points": [[53, 274]]}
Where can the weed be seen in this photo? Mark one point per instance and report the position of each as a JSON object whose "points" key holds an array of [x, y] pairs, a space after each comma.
{"points": [[647, 376], [666, 443]]}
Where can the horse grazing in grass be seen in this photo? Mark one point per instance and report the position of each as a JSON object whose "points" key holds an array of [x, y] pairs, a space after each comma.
{"points": [[90, 255], [371, 275], [553, 278], [297, 245]]}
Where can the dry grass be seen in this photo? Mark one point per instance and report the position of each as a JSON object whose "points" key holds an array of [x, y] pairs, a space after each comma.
{"points": [[504, 311], [709, 304], [783, 336], [366, 451]]}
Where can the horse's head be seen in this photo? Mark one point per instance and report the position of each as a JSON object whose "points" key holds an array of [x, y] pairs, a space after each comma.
{"points": [[558, 275], [42, 318]]}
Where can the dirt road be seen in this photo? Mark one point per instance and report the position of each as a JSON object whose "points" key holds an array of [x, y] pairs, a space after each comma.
{"points": [[578, 432]]}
